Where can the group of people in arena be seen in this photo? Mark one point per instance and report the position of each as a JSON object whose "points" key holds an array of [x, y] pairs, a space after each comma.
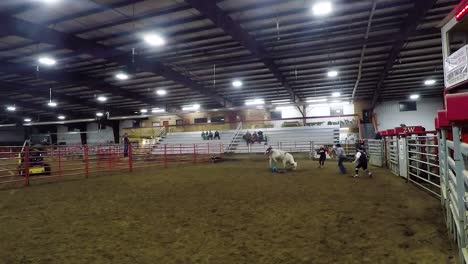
{"points": [[208, 135], [360, 159], [255, 137]]}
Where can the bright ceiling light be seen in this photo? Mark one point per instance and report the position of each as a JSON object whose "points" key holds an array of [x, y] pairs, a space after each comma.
{"points": [[332, 73], [322, 8], [48, 61], [154, 39], [99, 114], [317, 100], [414, 97], [336, 94], [237, 83], [11, 108], [52, 104], [102, 99], [191, 107], [161, 92], [27, 120], [61, 117], [122, 76], [157, 110], [49, 1], [255, 102], [337, 102], [143, 111], [429, 82], [281, 102]]}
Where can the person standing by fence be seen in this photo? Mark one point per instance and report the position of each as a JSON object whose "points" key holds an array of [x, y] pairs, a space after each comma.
{"points": [[341, 155], [126, 142], [216, 135], [322, 152]]}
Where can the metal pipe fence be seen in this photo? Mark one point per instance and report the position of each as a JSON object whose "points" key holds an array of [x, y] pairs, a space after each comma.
{"points": [[22, 166]]}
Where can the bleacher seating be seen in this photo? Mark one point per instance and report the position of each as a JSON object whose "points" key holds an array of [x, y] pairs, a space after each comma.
{"points": [[292, 139], [191, 138]]}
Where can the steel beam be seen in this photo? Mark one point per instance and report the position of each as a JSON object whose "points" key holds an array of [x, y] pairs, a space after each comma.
{"points": [[221, 19], [415, 16], [42, 34]]}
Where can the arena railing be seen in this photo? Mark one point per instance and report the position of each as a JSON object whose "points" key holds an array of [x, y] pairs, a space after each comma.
{"points": [[25, 165], [423, 167]]}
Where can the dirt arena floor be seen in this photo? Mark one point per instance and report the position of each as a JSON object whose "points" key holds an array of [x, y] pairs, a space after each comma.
{"points": [[231, 212]]}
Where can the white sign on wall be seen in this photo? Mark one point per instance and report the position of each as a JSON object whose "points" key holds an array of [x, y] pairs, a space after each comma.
{"points": [[456, 67]]}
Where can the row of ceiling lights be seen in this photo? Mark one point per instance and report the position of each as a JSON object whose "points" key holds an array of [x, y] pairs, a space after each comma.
{"points": [[319, 9]]}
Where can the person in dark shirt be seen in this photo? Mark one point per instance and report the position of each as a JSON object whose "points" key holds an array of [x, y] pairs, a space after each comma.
{"points": [[360, 161], [248, 137], [216, 135], [322, 152], [203, 135], [254, 137], [260, 136], [378, 136], [210, 135], [126, 142]]}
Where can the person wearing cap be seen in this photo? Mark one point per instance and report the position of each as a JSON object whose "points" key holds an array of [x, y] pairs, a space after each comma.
{"points": [[360, 161]]}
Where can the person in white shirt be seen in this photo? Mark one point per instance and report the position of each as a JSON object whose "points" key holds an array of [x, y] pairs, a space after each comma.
{"points": [[341, 155], [360, 161]]}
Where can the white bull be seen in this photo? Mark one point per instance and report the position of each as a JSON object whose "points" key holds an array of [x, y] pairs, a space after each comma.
{"points": [[277, 155]]}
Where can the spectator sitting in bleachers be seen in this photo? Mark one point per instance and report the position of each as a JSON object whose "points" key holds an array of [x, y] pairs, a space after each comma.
{"points": [[260, 136], [254, 137], [247, 137], [216, 135], [203, 135]]}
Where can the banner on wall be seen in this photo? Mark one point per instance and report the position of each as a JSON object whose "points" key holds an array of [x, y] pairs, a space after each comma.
{"points": [[456, 67]]}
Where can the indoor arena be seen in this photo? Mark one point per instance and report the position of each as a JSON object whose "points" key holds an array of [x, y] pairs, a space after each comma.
{"points": [[229, 132]]}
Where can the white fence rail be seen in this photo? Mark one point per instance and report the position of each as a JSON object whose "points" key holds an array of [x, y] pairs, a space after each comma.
{"points": [[423, 162]]}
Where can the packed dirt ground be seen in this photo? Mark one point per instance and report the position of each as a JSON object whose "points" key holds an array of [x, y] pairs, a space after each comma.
{"points": [[231, 212]]}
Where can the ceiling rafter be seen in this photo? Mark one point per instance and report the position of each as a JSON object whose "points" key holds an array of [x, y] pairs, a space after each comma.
{"points": [[415, 17], [210, 9], [41, 34]]}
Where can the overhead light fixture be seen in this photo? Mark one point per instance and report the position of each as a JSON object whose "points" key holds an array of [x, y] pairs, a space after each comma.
{"points": [[157, 110], [414, 97], [49, 1], [191, 107], [336, 94], [281, 102], [154, 39], [322, 8], [11, 108], [143, 111], [237, 83], [61, 117], [430, 82], [332, 73], [99, 114], [102, 99], [27, 120], [322, 100], [122, 76], [255, 102], [161, 92], [47, 61], [51, 103]]}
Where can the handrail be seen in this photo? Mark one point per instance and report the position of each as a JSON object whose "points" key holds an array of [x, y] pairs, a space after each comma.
{"points": [[236, 133]]}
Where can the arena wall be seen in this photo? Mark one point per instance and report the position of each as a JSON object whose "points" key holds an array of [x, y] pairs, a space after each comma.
{"points": [[389, 116]]}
